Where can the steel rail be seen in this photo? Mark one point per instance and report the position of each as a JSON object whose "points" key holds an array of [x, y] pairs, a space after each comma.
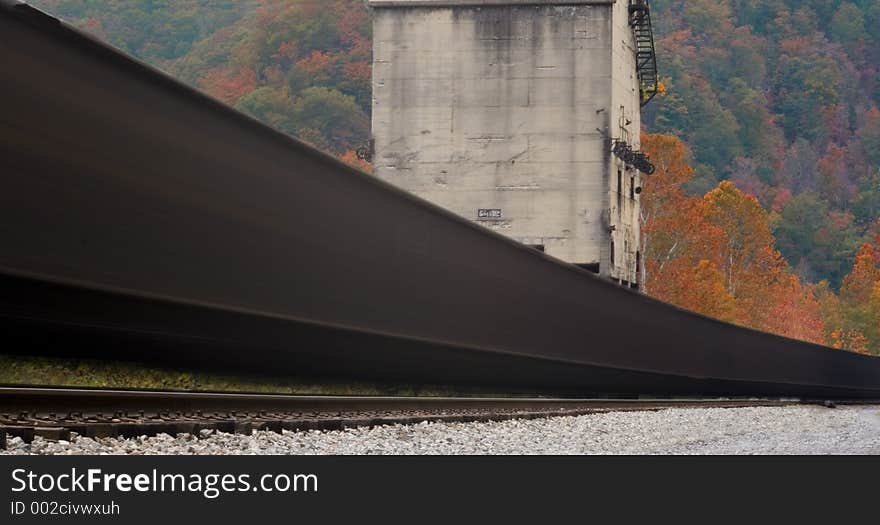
{"points": [[47, 399], [56, 413]]}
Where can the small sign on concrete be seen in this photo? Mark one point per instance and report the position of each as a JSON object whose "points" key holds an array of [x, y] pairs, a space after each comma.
{"points": [[489, 214]]}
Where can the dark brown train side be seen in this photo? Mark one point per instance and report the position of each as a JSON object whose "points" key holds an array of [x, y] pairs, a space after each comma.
{"points": [[140, 219]]}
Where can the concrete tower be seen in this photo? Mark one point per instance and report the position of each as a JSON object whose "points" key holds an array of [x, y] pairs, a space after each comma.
{"points": [[507, 112]]}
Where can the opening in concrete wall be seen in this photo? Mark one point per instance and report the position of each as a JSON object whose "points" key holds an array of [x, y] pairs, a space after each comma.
{"points": [[638, 268], [590, 267]]}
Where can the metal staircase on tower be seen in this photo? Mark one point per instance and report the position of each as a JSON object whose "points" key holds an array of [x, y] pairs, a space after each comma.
{"points": [[646, 56]]}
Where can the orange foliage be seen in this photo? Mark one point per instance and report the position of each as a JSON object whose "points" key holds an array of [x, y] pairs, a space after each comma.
{"points": [[348, 27], [781, 197], [674, 239], [833, 172], [858, 286], [350, 157], [714, 255], [286, 51], [670, 223], [703, 293], [661, 88], [854, 316], [315, 63], [850, 340], [746, 231], [794, 312], [228, 86], [358, 70]]}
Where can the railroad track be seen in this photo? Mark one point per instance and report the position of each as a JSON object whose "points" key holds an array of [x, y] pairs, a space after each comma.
{"points": [[56, 413]]}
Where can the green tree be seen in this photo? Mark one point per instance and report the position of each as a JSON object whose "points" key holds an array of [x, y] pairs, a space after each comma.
{"points": [[336, 116], [272, 106], [848, 27], [818, 241], [869, 135]]}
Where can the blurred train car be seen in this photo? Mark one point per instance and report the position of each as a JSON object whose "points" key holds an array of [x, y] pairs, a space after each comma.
{"points": [[140, 219]]}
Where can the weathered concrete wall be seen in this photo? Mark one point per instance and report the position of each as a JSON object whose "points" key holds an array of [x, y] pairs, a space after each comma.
{"points": [[625, 124], [509, 107]]}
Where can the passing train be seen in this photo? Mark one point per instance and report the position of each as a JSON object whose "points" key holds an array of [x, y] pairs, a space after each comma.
{"points": [[141, 219]]}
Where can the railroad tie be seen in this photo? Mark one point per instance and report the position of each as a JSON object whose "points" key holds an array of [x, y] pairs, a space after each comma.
{"points": [[24, 432], [52, 433]]}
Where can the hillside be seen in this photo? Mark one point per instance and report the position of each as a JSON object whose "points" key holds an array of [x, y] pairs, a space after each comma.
{"points": [[781, 98], [302, 66]]}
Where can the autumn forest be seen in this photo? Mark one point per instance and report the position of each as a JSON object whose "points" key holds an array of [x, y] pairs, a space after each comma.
{"points": [[765, 207]]}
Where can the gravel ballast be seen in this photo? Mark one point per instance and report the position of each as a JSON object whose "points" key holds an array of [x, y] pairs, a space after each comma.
{"points": [[781, 430]]}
